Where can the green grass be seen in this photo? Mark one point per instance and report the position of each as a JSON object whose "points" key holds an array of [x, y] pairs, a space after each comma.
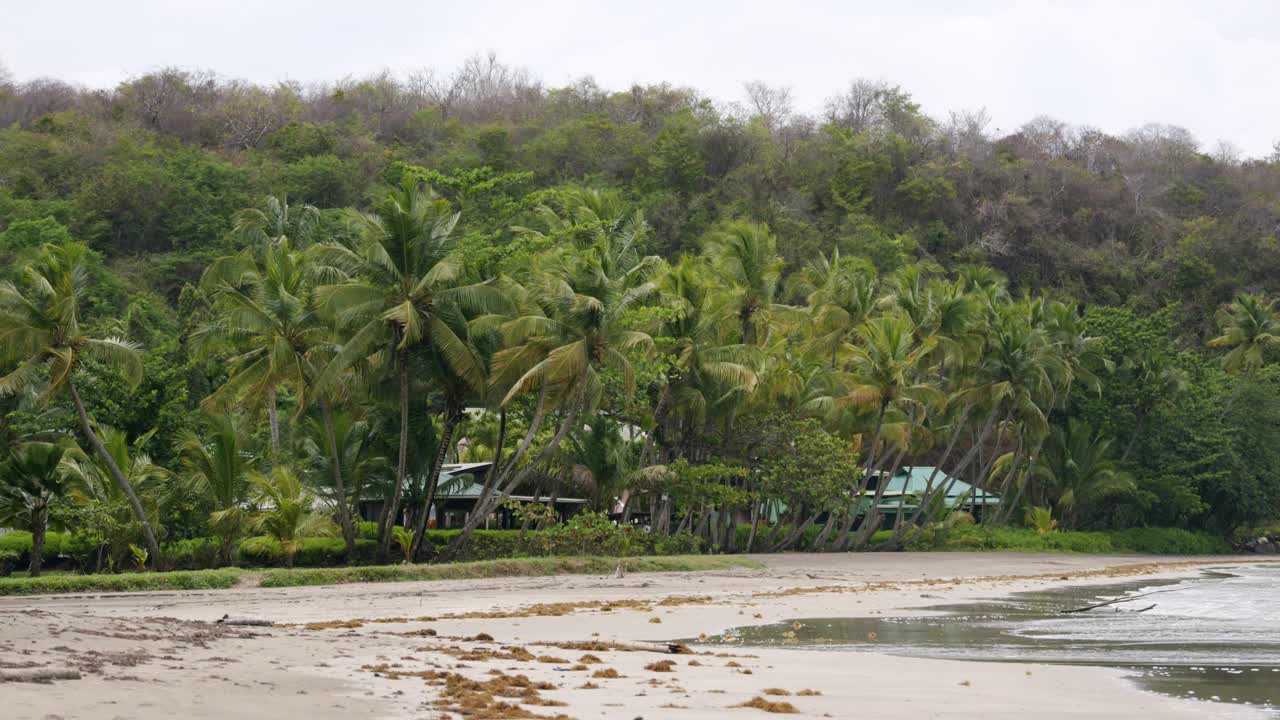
{"points": [[516, 567], [227, 577], [1155, 541], [124, 582]]}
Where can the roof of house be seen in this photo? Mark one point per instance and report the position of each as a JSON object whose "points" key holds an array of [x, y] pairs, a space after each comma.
{"points": [[914, 481], [454, 486]]}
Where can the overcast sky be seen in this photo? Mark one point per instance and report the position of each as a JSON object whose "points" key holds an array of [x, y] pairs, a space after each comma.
{"points": [[1212, 67]]}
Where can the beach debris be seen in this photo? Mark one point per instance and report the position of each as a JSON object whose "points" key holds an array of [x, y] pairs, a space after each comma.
{"points": [[39, 675], [671, 648], [776, 691], [1117, 601], [606, 674], [665, 666], [254, 622], [760, 703], [808, 692]]}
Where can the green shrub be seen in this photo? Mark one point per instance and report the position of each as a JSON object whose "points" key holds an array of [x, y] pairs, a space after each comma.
{"points": [[263, 551], [8, 562], [19, 541], [1170, 541], [1164, 541], [124, 582], [192, 554]]}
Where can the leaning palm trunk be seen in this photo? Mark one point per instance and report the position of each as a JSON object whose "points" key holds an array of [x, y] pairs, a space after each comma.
{"points": [[339, 489], [855, 496], [452, 418], [392, 509], [459, 543], [757, 512], [135, 504], [508, 477], [933, 492], [874, 517], [797, 533]]}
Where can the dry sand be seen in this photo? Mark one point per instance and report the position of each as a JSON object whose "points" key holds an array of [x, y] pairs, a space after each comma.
{"points": [[410, 650]]}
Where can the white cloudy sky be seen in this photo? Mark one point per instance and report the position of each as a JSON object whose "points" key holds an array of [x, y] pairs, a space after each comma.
{"points": [[1211, 67]]}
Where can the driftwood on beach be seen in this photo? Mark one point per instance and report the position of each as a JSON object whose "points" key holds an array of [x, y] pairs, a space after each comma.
{"points": [[253, 622], [1117, 601]]}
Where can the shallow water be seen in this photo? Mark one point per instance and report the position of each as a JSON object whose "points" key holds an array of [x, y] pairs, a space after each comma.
{"points": [[1215, 637]]}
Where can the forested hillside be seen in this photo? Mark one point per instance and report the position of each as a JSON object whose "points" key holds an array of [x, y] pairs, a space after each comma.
{"points": [[1033, 310]]}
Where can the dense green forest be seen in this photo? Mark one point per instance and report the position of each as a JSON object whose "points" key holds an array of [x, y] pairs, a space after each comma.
{"points": [[222, 301]]}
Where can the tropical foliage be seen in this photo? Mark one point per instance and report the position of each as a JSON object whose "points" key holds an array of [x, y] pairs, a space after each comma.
{"points": [[725, 329]]}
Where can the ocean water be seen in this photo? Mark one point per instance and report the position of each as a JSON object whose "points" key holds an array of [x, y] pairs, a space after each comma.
{"points": [[1215, 637]]}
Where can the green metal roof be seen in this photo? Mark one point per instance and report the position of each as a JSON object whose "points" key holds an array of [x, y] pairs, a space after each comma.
{"points": [[914, 481]]}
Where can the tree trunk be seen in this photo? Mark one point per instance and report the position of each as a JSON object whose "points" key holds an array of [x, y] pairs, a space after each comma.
{"points": [[452, 418], [392, 507], [455, 548], [1133, 439], [874, 517], [486, 505], [273, 418], [855, 497], [931, 490], [756, 512], [39, 525], [796, 534], [339, 489], [135, 503]]}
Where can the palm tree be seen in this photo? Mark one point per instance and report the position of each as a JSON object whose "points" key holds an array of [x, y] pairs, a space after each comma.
{"points": [[1158, 379], [840, 294], [273, 223], [269, 313], [569, 331], [92, 488], [1250, 328], [218, 466], [746, 256], [30, 478], [40, 332], [357, 450], [885, 371], [286, 511], [1077, 470], [406, 294], [704, 374]]}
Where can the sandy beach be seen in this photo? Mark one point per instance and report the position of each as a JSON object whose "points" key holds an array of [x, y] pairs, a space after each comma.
{"points": [[547, 647]]}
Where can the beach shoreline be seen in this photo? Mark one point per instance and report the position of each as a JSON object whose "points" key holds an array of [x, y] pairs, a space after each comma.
{"points": [[419, 649]]}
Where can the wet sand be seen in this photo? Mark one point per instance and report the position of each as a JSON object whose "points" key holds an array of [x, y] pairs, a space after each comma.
{"points": [[515, 647]]}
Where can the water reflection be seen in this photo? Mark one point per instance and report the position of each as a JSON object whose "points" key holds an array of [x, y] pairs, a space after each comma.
{"points": [[1214, 637]]}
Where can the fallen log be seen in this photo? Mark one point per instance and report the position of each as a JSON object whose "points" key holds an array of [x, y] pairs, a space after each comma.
{"points": [[39, 675], [254, 622]]}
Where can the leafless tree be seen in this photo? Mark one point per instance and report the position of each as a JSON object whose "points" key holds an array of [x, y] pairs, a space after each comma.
{"points": [[965, 134], [484, 88], [250, 113], [1227, 153], [174, 101], [773, 105], [860, 107]]}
